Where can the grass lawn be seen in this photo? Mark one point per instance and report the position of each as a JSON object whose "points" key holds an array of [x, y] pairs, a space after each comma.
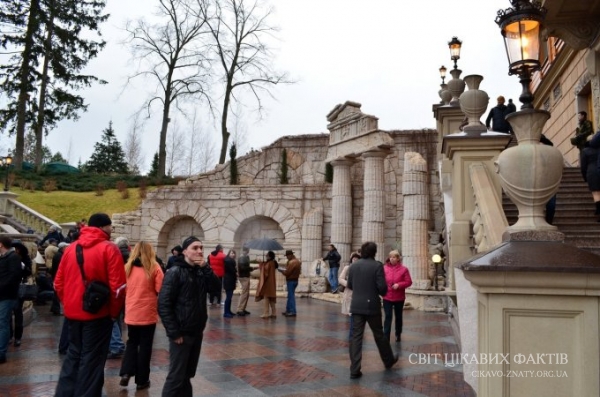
{"points": [[65, 206]]}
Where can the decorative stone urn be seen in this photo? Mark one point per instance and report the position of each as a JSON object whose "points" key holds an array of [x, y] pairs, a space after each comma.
{"points": [[474, 103], [444, 94], [456, 86], [530, 173]]}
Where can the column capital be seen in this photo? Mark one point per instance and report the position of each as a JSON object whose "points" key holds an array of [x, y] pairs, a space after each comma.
{"points": [[342, 161], [379, 152]]}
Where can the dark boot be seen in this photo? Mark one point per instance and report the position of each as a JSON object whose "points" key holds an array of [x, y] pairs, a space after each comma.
{"points": [[597, 208]]}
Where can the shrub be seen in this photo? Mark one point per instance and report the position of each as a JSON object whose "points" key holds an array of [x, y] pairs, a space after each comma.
{"points": [[99, 189], [124, 194], [143, 190], [121, 186], [49, 185]]}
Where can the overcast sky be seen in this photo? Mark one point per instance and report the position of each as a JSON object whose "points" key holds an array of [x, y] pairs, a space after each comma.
{"points": [[384, 54]]}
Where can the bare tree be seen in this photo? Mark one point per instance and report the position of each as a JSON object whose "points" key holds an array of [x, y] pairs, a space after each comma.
{"points": [[170, 52], [133, 147], [239, 129], [174, 159], [239, 28], [200, 149]]}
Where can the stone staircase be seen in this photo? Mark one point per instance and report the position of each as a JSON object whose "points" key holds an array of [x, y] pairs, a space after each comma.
{"points": [[574, 212]]}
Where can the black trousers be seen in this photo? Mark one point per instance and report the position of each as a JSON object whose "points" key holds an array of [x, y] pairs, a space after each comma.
{"points": [[214, 295], [17, 332], [396, 308], [182, 366], [359, 322], [138, 352], [82, 373]]}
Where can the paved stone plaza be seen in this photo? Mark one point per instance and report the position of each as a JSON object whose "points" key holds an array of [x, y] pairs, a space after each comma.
{"points": [[249, 356]]}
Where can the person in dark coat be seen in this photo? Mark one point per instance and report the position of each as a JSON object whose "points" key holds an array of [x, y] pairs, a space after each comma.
{"points": [[229, 282], [26, 266], [175, 253], [182, 309], [588, 160], [497, 116], [10, 278], [244, 269], [366, 279], [333, 257], [53, 233]]}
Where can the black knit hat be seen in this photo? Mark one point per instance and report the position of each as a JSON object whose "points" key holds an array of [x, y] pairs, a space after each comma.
{"points": [[188, 241], [99, 220]]}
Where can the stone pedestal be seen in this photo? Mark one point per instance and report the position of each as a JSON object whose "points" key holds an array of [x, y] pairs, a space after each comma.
{"points": [[538, 303], [374, 205]]}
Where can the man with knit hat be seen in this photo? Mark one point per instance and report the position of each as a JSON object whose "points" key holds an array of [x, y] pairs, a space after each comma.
{"points": [[182, 309], [82, 372]]}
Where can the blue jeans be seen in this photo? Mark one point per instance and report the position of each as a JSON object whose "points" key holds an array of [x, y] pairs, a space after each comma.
{"points": [[290, 307], [116, 340], [6, 309], [333, 278]]}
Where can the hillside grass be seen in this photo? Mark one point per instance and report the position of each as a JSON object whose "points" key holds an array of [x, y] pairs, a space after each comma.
{"points": [[65, 206]]}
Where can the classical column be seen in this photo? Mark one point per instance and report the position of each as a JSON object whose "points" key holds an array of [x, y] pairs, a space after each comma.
{"points": [[341, 208], [374, 200], [312, 238], [416, 217]]}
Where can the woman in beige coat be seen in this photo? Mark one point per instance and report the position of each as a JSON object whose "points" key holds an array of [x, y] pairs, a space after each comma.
{"points": [[267, 287], [347, 297]]}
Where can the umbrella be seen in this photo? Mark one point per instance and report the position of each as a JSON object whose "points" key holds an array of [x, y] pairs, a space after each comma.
{"points": [[264, 244]]}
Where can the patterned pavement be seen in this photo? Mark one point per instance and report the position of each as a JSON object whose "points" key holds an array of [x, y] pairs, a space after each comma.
{"points": [[305, 356]]}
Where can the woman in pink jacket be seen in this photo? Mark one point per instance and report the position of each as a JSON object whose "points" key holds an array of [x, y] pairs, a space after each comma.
{"points": [[144, 279], [397, 279]]}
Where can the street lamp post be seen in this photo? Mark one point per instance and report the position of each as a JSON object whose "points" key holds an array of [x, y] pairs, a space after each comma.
{"points": [[6, 162]]}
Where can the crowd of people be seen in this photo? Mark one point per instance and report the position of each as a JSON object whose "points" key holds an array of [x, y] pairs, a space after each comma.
{"points": [[99, 285]]}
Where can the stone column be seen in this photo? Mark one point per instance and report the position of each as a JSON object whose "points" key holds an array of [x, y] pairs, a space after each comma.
{"points": [[341, 208], [416, 216], [312, 238], [374, 200]]}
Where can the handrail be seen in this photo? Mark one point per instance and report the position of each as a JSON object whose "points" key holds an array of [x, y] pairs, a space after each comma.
{"points": [[489, 219], [29, 217]]}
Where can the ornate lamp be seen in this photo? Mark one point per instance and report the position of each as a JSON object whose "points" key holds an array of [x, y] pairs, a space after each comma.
{"points": [[6, 162], [443, 73], [530, 173], [436, 259], [454, 46], [520, 25]]}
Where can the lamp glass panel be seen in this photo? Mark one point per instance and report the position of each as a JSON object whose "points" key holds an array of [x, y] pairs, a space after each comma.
{"points": [[522, 39], [454, 51], [442, 72], [9, 160]]}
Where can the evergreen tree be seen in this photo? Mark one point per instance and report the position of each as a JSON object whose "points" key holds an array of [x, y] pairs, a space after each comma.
{"points": [[57, 36], [108, 156], [58, 158], [233, 168], [154, 166], [283, 177]]}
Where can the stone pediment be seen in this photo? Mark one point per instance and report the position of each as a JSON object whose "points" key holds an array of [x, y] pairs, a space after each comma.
{"points": [[352, 132]]}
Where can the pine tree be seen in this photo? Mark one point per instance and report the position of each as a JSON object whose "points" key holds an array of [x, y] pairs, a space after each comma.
{"points": [[57, 36], [283, 177], [154, 166], [233, 168], [108, 156]]}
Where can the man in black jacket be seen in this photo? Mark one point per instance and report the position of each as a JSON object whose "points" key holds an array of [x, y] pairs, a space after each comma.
{"points": [[498, 117], [333, 257], [10, 278], [182, 309], [366, 279]]}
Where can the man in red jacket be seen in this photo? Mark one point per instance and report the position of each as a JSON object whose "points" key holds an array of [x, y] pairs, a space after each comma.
{"points": [[82, 372], [216, 260]]}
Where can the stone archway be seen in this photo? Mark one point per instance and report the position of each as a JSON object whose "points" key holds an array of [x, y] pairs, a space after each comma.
{"points": [[163, 221], [260, 209], [174, 231]]}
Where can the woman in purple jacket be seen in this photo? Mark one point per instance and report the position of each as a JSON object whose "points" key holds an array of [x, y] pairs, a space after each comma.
{"points": [[397, 279]]}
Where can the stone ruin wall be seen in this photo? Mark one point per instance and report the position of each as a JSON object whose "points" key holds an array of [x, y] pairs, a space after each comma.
{"points": [[171, 213]]}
